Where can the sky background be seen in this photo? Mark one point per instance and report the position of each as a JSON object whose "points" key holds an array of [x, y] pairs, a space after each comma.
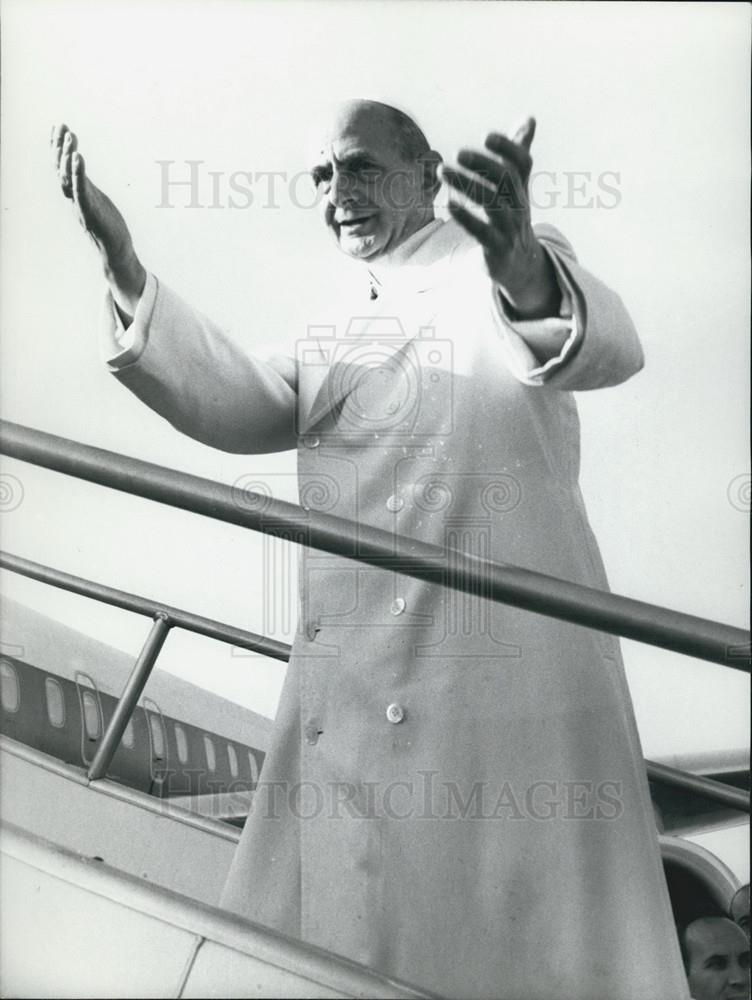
{"points": [[641, 159]]}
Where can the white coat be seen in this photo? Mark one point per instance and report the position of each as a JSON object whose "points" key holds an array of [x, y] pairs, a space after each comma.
{"points": [[455, 792]]}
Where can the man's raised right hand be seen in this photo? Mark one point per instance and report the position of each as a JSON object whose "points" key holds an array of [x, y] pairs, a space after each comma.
{"points": [[101, 220]]}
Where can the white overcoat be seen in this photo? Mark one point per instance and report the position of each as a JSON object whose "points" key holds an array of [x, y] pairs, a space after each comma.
{"points": [[455, 792]]}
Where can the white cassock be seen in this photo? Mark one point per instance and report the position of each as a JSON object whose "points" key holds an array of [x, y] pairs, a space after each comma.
{"points": [[455, 793]]}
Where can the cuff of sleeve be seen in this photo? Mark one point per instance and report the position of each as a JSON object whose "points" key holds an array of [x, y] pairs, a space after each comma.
{"points": [[121, 346], [516, 332]]}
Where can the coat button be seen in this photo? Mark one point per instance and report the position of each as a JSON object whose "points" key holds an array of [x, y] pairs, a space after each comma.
{"points": [[398, 605], [311, 442], [395, 503], [395, 713], [311, 631], [312, 734]]}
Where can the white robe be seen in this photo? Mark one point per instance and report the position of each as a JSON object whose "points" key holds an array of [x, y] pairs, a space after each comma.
{"points": [[455, 792]]}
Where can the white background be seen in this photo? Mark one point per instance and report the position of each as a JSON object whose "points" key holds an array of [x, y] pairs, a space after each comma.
{"points": [[656, 94]]}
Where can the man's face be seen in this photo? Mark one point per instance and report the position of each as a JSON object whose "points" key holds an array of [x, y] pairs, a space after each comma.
{"points": [[718, 960], [373, 198]]}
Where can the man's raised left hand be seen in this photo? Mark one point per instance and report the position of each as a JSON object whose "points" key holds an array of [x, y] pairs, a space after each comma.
{"points": [[497, 181]]}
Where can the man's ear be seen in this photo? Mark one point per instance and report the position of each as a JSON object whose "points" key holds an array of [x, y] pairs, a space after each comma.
{"points": [[431, 181]]}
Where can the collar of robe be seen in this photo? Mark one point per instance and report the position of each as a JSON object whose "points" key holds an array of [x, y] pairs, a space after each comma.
{"points": [[417, 265], [414, 266]]}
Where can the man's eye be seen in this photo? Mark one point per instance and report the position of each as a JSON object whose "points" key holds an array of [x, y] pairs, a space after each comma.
{"points": [[363, 168], [716, 963]]}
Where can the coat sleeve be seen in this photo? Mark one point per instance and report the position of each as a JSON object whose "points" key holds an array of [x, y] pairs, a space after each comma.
{"points": [[603, 348], [189, 371]]}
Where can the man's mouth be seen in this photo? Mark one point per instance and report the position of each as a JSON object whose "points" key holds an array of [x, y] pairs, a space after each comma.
{"points": [[354, 223]]}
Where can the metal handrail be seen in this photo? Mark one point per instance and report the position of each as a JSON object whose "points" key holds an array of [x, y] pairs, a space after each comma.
{"points": [[167, 616], [718, 791], [128, 700], [145, 606], [513, 585], [451, 568]]}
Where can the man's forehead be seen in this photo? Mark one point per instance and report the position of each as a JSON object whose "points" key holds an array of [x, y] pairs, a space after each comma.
{"points": [[717, 935], [355, 126]]}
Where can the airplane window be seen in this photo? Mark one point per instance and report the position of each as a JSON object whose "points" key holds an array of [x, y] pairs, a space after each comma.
{"points": [[91, 715], [182, 742], [254, 767], [157, 736], [129, 737], [55, 702], [10, 691], [211, 757], [233, 758]]}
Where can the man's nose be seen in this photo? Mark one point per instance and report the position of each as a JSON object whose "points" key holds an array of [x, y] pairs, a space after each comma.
{"points": [[738, 975], [342, 189]]}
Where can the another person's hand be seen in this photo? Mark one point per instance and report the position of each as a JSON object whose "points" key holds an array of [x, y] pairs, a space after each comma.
{"points": [[497, 181], [101, 220]]}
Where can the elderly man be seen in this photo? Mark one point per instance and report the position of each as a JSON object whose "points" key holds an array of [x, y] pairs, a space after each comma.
{"points": [[716, 959], [455, 793]]}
